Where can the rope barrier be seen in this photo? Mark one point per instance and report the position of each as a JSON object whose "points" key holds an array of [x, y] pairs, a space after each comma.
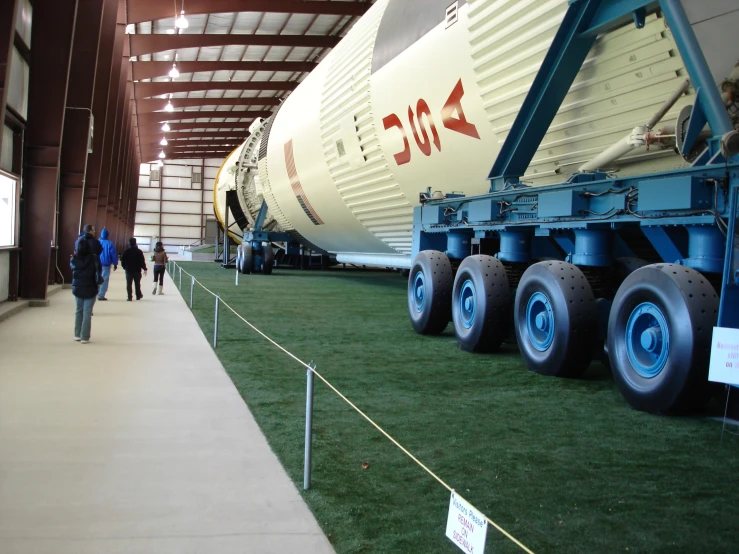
{"points": [[357, 409]]}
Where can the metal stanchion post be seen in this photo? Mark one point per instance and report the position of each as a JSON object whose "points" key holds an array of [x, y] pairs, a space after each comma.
{"points": [[308, 427], [180, 278], [237, 275], [192, 287], [215, 326]]}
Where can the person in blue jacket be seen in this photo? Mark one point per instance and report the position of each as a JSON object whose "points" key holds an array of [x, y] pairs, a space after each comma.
{"points": [[108, 257]]}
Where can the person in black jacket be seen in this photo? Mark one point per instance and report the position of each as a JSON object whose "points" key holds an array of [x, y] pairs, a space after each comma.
{"points": [[132, 261], [85, 274], [88, 235]]}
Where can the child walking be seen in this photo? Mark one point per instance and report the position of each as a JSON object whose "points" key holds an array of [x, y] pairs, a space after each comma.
{"points": [[160, 263]]}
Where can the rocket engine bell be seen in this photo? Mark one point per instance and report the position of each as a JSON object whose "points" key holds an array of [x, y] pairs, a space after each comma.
{"points": [[422, 95]]}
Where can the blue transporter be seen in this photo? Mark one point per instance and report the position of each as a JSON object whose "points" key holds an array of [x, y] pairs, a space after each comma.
{"points": [[638, 269]]}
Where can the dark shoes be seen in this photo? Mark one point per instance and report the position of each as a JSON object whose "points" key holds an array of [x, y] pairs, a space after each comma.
{"points": [[128, 299], [102, 299]]}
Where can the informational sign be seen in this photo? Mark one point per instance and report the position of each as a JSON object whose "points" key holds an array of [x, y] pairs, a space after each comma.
{"points": [[724, 366], [465, 526]]}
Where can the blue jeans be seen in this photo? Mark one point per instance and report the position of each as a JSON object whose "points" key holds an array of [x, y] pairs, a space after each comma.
{"points": [[83, 317], [104, 287]]}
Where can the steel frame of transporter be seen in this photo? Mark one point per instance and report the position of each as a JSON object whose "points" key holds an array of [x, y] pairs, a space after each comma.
{"points": [[572, 261]]}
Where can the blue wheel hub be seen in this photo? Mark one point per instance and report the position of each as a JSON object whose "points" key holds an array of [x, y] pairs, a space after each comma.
{"points": [[540, 321], [419, 291], [467, 304], [647, 340]]}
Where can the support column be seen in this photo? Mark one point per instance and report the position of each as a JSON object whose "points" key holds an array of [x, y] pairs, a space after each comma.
{"points": [[120, 149], [78, 118], [122, 198], [103, 80], [113, 118], [53, 31]]}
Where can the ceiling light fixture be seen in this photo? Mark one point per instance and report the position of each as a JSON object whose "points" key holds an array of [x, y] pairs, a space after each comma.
{"points": [[163, 142], [166, 127], [181, 21], [169, 107], [161, 154], [173, 72]]}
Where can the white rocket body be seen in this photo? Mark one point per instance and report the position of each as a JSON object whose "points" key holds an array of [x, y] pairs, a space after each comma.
{"points": [[420, 94]]}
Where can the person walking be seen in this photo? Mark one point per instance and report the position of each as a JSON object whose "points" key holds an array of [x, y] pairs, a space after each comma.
{"points": [[85, 276], [133, 262], [88, 234], [160, 260], [108, 257]]}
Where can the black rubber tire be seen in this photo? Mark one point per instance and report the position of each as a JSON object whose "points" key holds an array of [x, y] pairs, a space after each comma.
{"points": [[690, 306], [622, 268], [248, 259], [436, 311], [268, 259], [492, 300], [573, 312]]}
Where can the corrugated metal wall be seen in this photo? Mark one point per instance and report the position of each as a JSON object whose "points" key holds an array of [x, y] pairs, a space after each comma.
{"points": [[173, 208]]}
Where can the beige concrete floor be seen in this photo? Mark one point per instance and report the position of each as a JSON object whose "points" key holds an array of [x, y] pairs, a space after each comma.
{"points": [[135, 443]]}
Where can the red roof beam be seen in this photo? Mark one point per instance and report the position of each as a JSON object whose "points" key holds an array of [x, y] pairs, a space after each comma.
{"points": [[147, 10]]}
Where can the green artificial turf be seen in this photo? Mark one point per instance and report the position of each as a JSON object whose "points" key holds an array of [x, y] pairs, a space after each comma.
{"points": [[563, 465]]}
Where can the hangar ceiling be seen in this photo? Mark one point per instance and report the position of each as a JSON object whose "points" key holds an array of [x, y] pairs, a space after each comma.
{"points": [[237, 60]]}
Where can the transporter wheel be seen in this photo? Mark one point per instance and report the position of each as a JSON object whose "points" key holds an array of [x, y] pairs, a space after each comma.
{"points": [[659, 337], [481, 299], [268, 259], [429, 292], [622, 268], [247, 259], [555, 319]]}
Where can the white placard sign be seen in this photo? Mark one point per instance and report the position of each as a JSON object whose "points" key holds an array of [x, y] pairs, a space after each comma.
{"points": [[465, 526], [724, 366]]}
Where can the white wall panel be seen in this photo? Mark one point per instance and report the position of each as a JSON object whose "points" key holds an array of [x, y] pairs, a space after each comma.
{"points": [[6, 155], [211, 172], [147, 206], [181, 207], [147, 218], [146, 230], [18, 89], [190, 234], [180, 219], [148, 194], [176, 182], [184, 205], [177, 170], [24, 20], [187, 195]]}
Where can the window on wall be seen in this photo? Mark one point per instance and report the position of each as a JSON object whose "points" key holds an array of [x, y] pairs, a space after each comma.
{"points": [[8, 210]]}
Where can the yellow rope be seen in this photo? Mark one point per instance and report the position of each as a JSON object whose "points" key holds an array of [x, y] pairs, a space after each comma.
{"points": [[360, 412]]}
